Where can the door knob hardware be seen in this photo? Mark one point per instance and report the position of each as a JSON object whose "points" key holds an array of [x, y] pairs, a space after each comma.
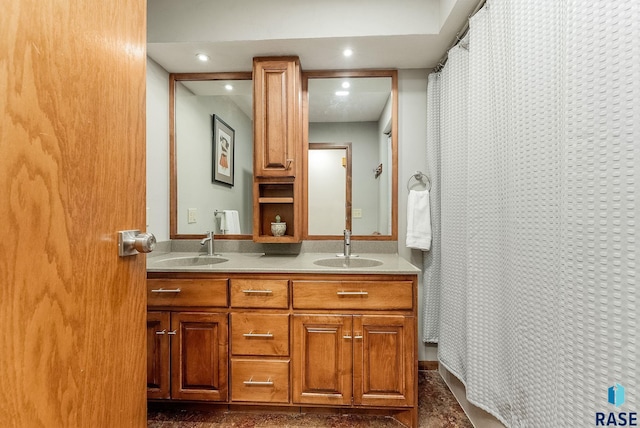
{"points": [[132, 242]]}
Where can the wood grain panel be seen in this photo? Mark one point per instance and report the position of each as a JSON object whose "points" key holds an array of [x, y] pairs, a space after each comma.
{"points": [[259, 334], [199, 357], [259, 293], [193, 292], [72, 173], [384, 361], [260, 381], [322, 359], [158, 357], [376, 295]]}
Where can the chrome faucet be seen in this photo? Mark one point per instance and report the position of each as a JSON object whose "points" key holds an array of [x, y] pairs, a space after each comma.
{"points": [[209, 241], [347, 243]]}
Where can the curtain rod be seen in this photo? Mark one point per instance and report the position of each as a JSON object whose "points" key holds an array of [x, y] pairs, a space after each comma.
{"points": [[459, 36]]}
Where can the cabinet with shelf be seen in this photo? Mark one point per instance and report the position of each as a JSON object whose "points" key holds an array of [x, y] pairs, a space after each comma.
{"points": [[277, 148], [276, 198]]}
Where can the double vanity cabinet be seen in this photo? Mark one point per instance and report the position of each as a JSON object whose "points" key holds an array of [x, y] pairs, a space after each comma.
{"points": [[304, 340]]}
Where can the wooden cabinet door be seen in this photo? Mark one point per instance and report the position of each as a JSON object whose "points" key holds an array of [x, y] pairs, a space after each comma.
{"points": [[158, 358], [322, 359], [384, 360], [199, 357], [277, 120]]}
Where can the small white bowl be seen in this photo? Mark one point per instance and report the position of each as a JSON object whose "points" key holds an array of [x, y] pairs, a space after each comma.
{"points": [[278, 229]]}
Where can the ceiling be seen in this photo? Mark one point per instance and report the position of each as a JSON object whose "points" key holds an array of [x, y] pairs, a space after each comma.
{"points": [[383, 34]]}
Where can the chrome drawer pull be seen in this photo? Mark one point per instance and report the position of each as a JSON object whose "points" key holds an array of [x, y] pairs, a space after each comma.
{"points": [[252, 334], [162, 290], [268, 382], [161, 332], [357, 336], [257, 291], [173, 333], [353, 293], [347, 337]]}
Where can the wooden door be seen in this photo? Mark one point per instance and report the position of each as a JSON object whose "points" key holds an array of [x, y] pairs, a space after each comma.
{"points": [[383, 368], [72, 174], [277, 116], [322, 359], [199, 356], [158, 356]]}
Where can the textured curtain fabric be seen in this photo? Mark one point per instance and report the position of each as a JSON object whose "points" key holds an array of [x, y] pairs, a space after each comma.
{"points": [[539, 143], [431, 258]]}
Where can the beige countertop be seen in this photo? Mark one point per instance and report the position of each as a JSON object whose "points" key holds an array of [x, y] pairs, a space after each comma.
{"points": [[260, 262]]}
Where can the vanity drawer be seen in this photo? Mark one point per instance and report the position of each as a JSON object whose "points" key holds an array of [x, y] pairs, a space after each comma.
{"points": [[260, 293], [187, 292], [260, 381], [260, 334], [376, 295]]}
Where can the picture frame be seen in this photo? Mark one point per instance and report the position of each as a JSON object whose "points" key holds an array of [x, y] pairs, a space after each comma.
{"points": [[223, 151]]}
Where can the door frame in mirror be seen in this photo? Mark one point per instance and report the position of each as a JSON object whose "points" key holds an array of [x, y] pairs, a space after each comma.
{"points": [[173, 166], [328, 74]]}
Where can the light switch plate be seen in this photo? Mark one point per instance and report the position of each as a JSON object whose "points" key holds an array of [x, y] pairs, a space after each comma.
{"points": [[191, 215], [357, 213]]}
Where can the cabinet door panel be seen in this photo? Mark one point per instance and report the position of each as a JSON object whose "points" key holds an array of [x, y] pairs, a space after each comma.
{"points": [[158, 354], [277, 116], [322, 359], [199, 357], [383, 360]]}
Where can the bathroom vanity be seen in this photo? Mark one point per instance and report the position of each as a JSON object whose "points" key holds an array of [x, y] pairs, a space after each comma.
{"points": [[288, 331]]}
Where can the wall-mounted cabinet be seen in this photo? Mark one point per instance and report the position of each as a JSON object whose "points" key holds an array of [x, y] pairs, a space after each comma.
{"points": [[277, 116], [277, 148]]}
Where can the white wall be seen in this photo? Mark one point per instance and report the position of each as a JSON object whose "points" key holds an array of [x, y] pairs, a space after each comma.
{"points": [[412, 156], [157, 151]]}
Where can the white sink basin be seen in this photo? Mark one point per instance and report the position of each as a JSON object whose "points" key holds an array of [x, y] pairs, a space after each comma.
{"points": [[351, 262], [190, 261]]}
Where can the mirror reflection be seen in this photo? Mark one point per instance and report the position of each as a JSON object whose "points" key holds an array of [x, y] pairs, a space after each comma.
{"points": [[355, 191], [213, 155]]}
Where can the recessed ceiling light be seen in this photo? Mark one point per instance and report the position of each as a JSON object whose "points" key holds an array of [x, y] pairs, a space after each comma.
{"points": [[347, 52], [345, 85], [228, 87], [342, 93], [203, 57]]}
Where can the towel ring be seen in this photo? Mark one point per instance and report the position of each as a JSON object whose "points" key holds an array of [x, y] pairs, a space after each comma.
{"points": [[419, 176]]}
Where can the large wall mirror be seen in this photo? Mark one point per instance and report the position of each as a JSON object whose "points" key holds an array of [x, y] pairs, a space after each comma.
{"points": [[351, 156], [211, 155]]}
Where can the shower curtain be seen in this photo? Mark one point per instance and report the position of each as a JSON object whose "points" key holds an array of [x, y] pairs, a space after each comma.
{"points": [[535, 290]]}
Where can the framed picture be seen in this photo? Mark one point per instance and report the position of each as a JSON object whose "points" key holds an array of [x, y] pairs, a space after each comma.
{"points": [[223, 151]]}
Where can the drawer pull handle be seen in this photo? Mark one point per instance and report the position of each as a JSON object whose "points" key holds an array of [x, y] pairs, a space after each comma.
{"points": [[257, 291], [161, 332], [346, 336], [353, 293], [357, 336], [268, 382], [252, 334], [162, 290], [173, 333]]}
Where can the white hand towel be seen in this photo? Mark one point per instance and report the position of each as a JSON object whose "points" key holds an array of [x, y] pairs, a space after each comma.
{"points": [[419, 220], [231, 222]]}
